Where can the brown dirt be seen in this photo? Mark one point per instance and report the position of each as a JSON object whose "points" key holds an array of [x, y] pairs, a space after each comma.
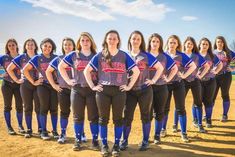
{"points": [[219, 141]]}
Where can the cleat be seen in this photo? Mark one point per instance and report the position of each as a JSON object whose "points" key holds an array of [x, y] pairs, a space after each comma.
{"points": [[44, 135], [123, 145], [28, 134], [105, 150], [39, 131], [62, 139], [195, 123], [163, 133], [201, 129], [116, 150], [95, 145], [55, 134], [175, 128], [208, 123], [21, 130], [143, 146], [224, 118], [157, 139], [11, 131], [184, 138], [83, 138], [77, 145]]}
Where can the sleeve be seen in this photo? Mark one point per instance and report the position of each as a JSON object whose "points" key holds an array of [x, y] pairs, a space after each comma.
{"points": [[1, 60], [201, 61], [233, 56], [186, 60], [68, 59], [17, 60], [151, 60], [94, 62], [216, 60], [54, 63], [34, 61], [129, 62], [170, 62]]}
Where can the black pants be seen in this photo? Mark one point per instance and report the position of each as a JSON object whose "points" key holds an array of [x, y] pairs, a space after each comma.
{"points": [[144, 98], [223, 82], [160, 95], [80, 98], [48, 99], [29, 95], [64, 101], [178, 91], [196, 88], [208, 92], [8, 90], [111, 96]]}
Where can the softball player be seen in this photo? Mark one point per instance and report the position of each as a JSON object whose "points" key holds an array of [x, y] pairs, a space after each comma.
{"points": [[176, 86], [47, 95], [160, 90], [62, 88], [112, 66], [10, 88], [27, 90]]}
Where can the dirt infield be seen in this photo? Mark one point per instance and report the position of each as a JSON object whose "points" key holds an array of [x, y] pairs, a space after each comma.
{"points": [[219, 141]]}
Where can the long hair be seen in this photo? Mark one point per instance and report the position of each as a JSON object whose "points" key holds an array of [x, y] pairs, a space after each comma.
{"points": [[7, 51], [142, 45], [179, 47], [209, 51], [195, 48], [68, 39], [49, 41], [225, 48], [105, 52], [93, 45], [35, 44], [156, 35]]}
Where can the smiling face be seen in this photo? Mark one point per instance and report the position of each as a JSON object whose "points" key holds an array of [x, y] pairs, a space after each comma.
{"points": [[135, 41], [219, 44], [68, 46], [204, 45], [112, 40], [46, 48], [12, 47], [30, 47], [189, 46], [172, 44], [155, 44], [85, 43]]}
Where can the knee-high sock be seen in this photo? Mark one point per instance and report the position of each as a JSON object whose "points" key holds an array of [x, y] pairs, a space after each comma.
{"points": [[158, 127], [63, 124], [117, 133], [7, 116], [176, 118], [28, 119], [19, 116], [199, 115], [103, 129], [164, 122], [183, 123], [94, 131], [43, 122], [226, 106], [146, 130], [78, 129]]}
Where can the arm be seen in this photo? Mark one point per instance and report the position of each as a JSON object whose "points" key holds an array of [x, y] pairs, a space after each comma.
{"points": [[192, 66], [49, 75], [26, 73], [10, 70], [62, 69], [173, 72], [205, 70], [133, 79], [217, 68], [159, 69]]}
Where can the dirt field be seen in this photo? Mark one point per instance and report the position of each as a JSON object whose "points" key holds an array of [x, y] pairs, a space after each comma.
{"points": [[219, 141]]}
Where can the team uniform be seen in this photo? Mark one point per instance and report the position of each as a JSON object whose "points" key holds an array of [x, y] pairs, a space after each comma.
{"points": [[28, 93], [82, 96], [224, 80], [177, 88], [10, 88], [160, 92], [193, 83], [141, 94], [47, 95], [208, 84], [111, 77]]}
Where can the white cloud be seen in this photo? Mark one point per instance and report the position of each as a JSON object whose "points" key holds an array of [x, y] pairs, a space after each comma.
{"points": [[100, 10], [189, 18]]}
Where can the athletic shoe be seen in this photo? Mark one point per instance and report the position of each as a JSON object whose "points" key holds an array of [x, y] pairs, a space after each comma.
{"points": [[116, 150], [143, 146], [62, 139], [224, 118], [201, 129], [204, 118], [163, 133], [208, 123], [83, 138], [55, 134], [157, 139], [175, 128], [123, 145], [28, 133], [105, 150], [95, 145], [21, 130], [44, 135], [184, 138], [195, 122], [77, 145], [11, 131], [39, 131]]}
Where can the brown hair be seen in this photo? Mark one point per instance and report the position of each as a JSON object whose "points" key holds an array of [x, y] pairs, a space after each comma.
{"points": [[6, 46], [49, 41], [179, 47], [209, 51], [161, 42], [68, 39], [93, 45], [195, 48], [142, 45], [225, 48], [32, 40]]}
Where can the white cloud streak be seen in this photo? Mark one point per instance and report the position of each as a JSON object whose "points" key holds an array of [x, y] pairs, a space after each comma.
{"points": [[189, 18]]}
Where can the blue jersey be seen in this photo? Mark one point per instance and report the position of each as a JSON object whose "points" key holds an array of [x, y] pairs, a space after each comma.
{"points": [[54, 64], [5, 60], [78, 61], [182, 61], [199, 61], [40, 63], [144, 62], [167, 63], [21, 60], [116, 74]]}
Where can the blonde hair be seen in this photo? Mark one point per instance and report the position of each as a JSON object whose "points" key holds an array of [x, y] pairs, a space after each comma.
{"points": [[93, 45], [179, 47]]}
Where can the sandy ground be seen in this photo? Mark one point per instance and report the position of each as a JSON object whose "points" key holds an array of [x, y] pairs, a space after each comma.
{"points": [[219, 141]]}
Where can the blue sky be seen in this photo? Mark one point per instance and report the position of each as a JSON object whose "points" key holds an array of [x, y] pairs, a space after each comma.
{"points": [[22, 19]]}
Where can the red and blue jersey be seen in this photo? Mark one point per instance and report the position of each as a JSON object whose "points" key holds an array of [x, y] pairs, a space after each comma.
{"points": [[116, 74], [5, 60], [78, 61], [40, 63], [167, 63]]}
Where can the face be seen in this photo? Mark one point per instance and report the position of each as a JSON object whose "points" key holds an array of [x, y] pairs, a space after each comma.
{"points": [[46, 48], [204, 45], [67, 46], [112, 40], [172, 44], [135, 41], [155, 43], [85, 43], [12, 47], [30, 46], [189, 45], [219, 44]]}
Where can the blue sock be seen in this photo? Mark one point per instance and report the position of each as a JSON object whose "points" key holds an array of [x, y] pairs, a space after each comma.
{"points": [[19, 116], [158, 127], [226, 106], [28, 119], [63, 124], [78, 129], [117, 133], [164, 122], [103, 129], [54, 119], [126, 131], [146, 130], [194, 112], [176, 118], [208, 112], [183, 123], [43, 122], [38, 120], [94, 131], [199, 115], [7, 116]]}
